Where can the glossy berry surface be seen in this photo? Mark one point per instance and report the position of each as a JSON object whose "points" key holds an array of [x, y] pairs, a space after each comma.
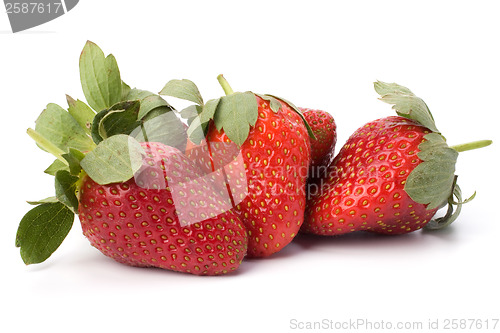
{"points": [[266, 177], [167, 216], [365, 185], [325, 130]]}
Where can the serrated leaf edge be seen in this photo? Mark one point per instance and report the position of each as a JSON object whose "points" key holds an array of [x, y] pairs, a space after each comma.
{"points": [[414, 186], [394, 94]]}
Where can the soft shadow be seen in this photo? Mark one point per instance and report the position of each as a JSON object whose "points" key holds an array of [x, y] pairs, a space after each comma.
{"points": [[449, 233], [363, 239], [109, 268], [250, 263], [356, 240]]}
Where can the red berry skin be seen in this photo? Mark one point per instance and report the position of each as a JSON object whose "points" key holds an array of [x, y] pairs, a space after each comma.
{"points": [[167, 216], [325, 130], [365, 185], [268, 193]]}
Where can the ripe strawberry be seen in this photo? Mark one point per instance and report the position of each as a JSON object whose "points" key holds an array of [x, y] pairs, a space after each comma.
{"points": [[322, 148], [365, 189], [274, 204], [179, 224], [265, 169], [139, 199], [391, 176], [325, 130]]}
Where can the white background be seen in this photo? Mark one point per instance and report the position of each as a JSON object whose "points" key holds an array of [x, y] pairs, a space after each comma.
{"points": [[318, 54]]}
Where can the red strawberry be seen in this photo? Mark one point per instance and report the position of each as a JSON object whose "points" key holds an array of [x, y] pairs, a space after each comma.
{"points": [[325, 131], [365, 188], [179, 223], [322, 148], [140, 201], [391, 176], [265, 170]]}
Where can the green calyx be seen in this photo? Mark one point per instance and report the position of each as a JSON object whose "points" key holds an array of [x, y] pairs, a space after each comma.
{"points": [[235, 113], [453, 211], [432, 182], [99, 138], [406, 104]]}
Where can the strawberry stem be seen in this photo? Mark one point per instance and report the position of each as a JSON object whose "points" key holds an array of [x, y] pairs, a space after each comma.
{"points": [[47, 145], [225, 85], [472, 145]]}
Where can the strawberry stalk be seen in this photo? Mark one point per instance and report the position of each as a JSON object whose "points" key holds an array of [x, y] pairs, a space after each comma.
{"points": [[47, 145], [455, 206], [225, 85], [472, 145]]}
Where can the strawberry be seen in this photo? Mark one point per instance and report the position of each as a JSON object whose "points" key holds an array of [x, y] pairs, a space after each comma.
{"points": [[391, 176], [140, 202], [179, 223], [322, 148], [273, 207], [258, 145], [325, 130]]}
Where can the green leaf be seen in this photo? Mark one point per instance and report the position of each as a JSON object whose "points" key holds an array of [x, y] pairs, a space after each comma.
{"points": [[114, 160], [94, 131], [121, 118], [42, 201], [157, 112], [138, 94], [42, 230], [235, 114], [74, 157], [77, 154], [274, 104], [183, 89], [56, 166], [191, 112], [431, 182], [197, 130], [57, 126], [406, 104], [209, 109], [82, 113], [149, 101], [100, 77], [383, 88], [65, 185], [164, 127], [125, 91], [453, 211]]}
